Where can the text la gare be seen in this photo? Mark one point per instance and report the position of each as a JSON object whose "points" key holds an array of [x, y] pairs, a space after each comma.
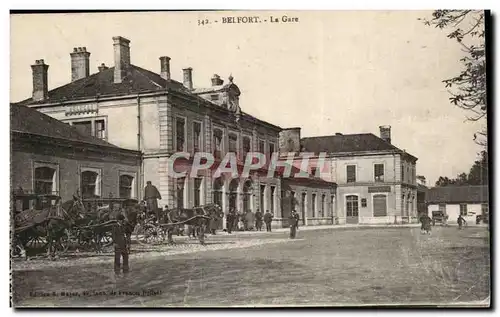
{"points": [[283, 19]]}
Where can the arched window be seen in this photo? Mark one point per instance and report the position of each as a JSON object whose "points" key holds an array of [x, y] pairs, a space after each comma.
{"points": [[379, 205], [45, 180], [323, 207], [126, 186], [233, 193], [247, 196], [217, 191], [352, 206], [90, 183]]}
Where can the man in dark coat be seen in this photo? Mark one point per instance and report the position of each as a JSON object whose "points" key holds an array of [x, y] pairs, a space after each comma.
{"points": [[151, 194], [120, 244], [295, 214], [230, 220], [258, 220], [293, 225], [268, 218]]}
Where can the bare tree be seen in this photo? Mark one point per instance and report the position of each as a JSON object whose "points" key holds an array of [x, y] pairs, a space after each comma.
{"points": [[468, 88]]}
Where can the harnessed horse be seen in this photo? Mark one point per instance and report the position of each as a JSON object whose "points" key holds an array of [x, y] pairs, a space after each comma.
{"points": [[54, 227], [197, 217]]}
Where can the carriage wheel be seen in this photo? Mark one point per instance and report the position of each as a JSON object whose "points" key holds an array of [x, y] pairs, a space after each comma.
{"points": [[148, 234], [36, 245], [62, 244], [106, 239]]}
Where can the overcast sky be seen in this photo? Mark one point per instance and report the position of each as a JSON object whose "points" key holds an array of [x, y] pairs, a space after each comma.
{"points": [[343, 71]]}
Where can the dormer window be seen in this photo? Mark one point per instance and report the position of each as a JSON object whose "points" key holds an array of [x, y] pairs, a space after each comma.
{"points": [[214, 97]]}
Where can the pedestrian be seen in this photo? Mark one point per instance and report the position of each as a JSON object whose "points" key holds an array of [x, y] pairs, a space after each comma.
{"points": [[268, 218], [258, 220], [461, 221], [426, 224], [293, 225], [120, 244], [249, 220], [229, 221], [151, 194], [297, 218]]}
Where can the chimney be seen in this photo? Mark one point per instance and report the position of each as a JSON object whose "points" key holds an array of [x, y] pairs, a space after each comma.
{"points": [[385, 133], [338, 133], [102, 67], [188, 78], [216, 81], [122, 58], [40, 80], [80, 65], [165, 67]]}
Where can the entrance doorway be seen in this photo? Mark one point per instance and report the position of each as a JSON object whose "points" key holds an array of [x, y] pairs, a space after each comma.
{"points": [[352, 209]]}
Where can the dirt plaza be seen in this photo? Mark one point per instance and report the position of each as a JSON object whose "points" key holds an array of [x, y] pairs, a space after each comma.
{"points": [[342, 267]]}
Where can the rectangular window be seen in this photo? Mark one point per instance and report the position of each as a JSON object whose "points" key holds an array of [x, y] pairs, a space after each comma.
{"points": [[217, 134], [313, 171], [90, 182], [402, 173], [180, 192], [233, 143], [351, 173], [485, 209], [378, 172], [273, 190], [100, 129], [271, 149], [323, 202], [84, 127], [180, 133], [313, 201], [262, 146], [214, 97], [196, 136], [246, 147], [197, 192], [463, 209]]}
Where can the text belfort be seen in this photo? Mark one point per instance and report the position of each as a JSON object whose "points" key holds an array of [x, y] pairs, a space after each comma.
{"points": [[255, 19]]}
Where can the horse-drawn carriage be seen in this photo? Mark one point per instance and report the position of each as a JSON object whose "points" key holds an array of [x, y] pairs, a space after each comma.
{"points": [[45, 223], [42, 222], [154, 227]]}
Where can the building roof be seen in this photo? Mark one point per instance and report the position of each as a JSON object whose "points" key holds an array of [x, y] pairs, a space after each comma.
{"points": [[458, 194], [29, 121], [348, 143], [138, 80]]}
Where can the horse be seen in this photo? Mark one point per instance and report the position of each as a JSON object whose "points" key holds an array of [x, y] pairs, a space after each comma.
{"points": [[131, 212], [53, 224], [197, 217]]}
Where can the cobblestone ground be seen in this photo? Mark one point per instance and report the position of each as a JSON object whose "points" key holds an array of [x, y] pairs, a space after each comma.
{"points": [[323, 267]]}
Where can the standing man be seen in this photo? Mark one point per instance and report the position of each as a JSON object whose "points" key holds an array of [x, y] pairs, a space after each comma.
{"points": [[230, 220], [295, 215], [268, 218], [151, 194], [293, 224], [258, 220], [120, 244]]}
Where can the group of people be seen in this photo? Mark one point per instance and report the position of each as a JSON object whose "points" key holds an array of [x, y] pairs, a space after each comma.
{"points": [[248, 220], [426, 222]]}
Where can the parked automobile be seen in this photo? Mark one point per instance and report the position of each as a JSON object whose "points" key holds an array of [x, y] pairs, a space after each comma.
{"points": [[439, 217]]}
